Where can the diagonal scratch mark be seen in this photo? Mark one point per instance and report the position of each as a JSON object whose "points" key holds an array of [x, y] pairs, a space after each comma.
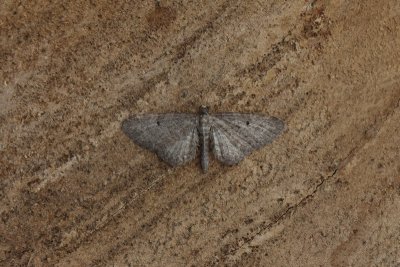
{"points": [[101, 223], [107, 218], [247, 244]]}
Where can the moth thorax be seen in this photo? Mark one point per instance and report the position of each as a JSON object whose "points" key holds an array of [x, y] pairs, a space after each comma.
{"points": [[203, 110]]}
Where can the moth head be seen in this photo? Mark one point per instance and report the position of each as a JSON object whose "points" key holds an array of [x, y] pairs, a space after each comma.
{"points": [[203, 109]]}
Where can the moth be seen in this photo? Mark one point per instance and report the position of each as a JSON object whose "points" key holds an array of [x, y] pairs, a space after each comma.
{"points": [[176, 137]]}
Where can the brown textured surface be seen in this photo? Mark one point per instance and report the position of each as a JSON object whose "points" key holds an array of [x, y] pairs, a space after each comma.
{"points": [[76, 192]]}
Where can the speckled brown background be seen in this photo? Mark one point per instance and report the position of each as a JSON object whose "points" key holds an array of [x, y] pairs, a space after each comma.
{"points": [[76, 192]]}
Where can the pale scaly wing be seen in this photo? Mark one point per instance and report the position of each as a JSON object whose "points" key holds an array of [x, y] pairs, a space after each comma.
{"points": [[235, 135], [173, 136]]}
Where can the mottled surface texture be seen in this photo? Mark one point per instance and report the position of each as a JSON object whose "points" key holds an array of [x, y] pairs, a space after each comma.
{"points": [[175, 137], [75, 191]]}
